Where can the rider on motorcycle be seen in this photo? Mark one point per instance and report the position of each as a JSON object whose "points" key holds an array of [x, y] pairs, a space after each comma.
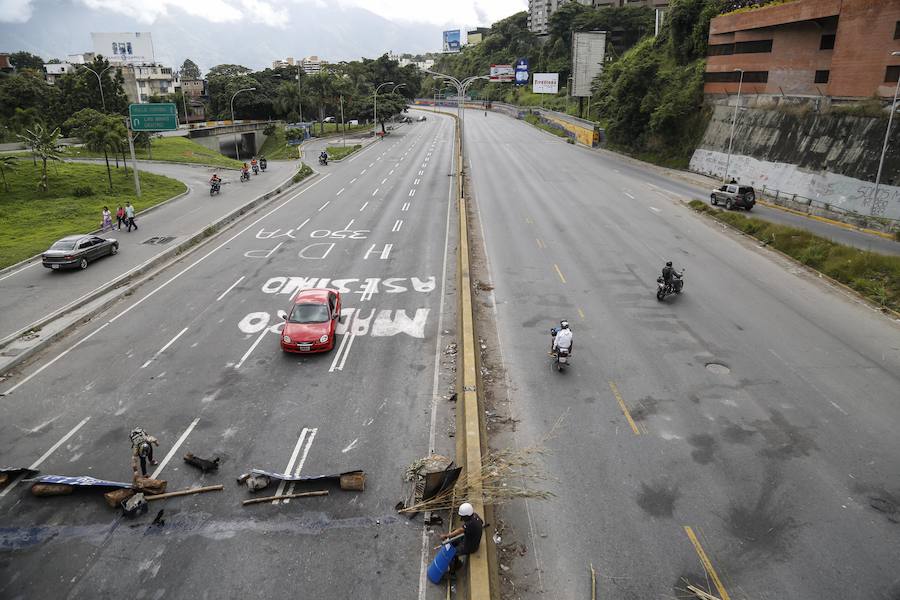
{"points": [[245, 171], [563, 338], [215, 179], [671, 277], [254, 165], [323, 157], [262, 163]]}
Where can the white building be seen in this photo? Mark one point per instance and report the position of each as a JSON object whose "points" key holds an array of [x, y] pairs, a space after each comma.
{"points": [[56, 70], [125, 48], [539, 12], [286, 62], [80, 59], [313, 64]]}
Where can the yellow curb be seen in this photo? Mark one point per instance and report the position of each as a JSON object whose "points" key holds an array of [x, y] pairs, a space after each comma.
{"points": [[840, 224], [479, 586]]}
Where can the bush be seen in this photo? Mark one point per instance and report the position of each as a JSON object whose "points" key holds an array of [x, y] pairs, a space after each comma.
{"points": [[269, 130], [304, 172], [82, 191]]}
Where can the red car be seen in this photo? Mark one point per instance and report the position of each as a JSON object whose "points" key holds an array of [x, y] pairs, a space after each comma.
{"points": [[310, 325]]}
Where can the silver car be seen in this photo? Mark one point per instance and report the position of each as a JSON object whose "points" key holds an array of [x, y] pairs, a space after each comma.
{"points": [[76, 251]]}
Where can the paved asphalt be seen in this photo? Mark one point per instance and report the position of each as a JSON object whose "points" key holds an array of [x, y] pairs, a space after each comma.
{"points": [[782, 462], [33, 291], [193, 358]]}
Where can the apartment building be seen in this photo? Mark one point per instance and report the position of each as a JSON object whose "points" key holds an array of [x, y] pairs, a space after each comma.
{"points": [[540, 11], [141, 82]]}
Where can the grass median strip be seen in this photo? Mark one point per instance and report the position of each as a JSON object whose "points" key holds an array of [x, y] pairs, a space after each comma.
{"points": [[302, 173], [171, 149], [874, 276], [32, 220], [339, 152]]}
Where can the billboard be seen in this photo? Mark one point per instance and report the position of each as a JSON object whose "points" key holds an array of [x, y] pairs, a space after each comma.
{"points": [[522, 71], [588, 53], [503, 73], [546, 83], [125, 48], [452, 40]]}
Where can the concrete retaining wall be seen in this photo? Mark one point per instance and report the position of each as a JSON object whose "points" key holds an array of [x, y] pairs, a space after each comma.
{"points": [[830, 158]]}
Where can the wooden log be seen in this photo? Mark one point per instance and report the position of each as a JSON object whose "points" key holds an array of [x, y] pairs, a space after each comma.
{"points": [[150, 486], [284, 496], [353, 481], [115, 498], [52, 489], [199, 490]]}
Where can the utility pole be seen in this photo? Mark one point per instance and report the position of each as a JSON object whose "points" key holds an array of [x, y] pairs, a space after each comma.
{"points": [[737, 104], [887, 135], [134, 165]]}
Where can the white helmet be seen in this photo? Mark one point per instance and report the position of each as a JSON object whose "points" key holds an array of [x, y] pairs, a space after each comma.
{"points": [[466, 510], [564, 324]]}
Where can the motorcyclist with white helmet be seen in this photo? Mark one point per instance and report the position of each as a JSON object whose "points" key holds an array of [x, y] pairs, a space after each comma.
{"points": [[563, 337]]}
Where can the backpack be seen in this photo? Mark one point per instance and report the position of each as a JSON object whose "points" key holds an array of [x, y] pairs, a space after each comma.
{"points": [[138, 437]]}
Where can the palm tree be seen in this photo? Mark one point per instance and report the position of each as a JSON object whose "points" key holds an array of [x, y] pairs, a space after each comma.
{"points": [[45, 145], [7, 163], [102, 138]]}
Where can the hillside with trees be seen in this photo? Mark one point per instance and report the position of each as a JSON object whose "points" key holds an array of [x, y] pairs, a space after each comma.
{"points": [[649, 98]]}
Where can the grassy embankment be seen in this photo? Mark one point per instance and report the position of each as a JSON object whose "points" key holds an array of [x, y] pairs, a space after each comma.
{"points": [[874, 276], [32, 220], [302, 173], [172, 149]]}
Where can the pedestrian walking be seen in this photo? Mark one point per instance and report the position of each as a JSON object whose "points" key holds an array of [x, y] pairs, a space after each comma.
{"points": [[142, 450], [107, 219], [120, 217], [129, 217]]}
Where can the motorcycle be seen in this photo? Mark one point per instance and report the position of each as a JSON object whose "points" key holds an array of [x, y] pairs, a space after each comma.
{"points": [[214, 187], [255, 169], [561, 356], [664, 289], [245, 176], [323, 161], [262, 164]]}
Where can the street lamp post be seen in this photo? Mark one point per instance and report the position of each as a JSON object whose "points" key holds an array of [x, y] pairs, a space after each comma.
{"points": [[461, 89], [375, 110], [99, 82], [737, 104], [237, 152], [887, 135], [568, 92]]}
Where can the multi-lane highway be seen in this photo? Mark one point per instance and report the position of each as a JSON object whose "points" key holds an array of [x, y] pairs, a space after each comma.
{"points": [[193, 357], [740, 437]]}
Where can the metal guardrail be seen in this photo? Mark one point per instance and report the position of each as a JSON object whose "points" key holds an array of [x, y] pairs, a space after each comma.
{"points": [[811, 206]]}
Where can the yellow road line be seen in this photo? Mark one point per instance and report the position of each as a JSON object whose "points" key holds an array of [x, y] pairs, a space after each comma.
{"points": [[615, 391], [558, 272], [707, 564], [581, 313]]}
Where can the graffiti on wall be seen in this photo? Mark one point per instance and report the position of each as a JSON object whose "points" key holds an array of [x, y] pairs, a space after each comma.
{"points": [[846, 193]]}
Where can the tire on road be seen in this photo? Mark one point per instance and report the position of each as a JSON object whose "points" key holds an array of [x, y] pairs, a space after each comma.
{"points": [[83, 264]]}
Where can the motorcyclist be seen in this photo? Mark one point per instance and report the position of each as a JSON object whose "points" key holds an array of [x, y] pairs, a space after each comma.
{"points": [[323, 157], [254, 165], [245, 171], [263, 163], [671, 276], [563, 338], [215, 179]]}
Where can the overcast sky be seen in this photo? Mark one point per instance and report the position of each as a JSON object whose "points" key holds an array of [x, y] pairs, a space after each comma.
{"points": [[272, 12]]}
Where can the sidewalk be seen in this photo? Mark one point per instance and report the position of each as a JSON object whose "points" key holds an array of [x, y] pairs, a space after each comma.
{"points": [[31, 294]]}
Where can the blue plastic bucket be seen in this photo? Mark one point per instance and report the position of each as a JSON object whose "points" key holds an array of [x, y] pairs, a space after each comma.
{"points": [[441, 563]]}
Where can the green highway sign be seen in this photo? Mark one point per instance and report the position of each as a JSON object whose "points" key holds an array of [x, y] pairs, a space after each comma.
{"points": [[161, 116]]}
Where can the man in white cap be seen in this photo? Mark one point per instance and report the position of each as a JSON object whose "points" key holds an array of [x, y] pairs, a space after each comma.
{"points": [[469, 534]]}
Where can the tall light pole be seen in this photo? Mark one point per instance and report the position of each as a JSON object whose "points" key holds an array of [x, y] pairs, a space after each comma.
{"points": [[237, 152], [184, 101], [375, 128], [737, 105], [99, 81], [461, 89], [887, 135]]}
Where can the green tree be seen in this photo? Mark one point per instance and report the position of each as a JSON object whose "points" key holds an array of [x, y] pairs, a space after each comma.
{"points": [[44, 143], [189, 69], [26, 60], [7, 163], [98, 132]]}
